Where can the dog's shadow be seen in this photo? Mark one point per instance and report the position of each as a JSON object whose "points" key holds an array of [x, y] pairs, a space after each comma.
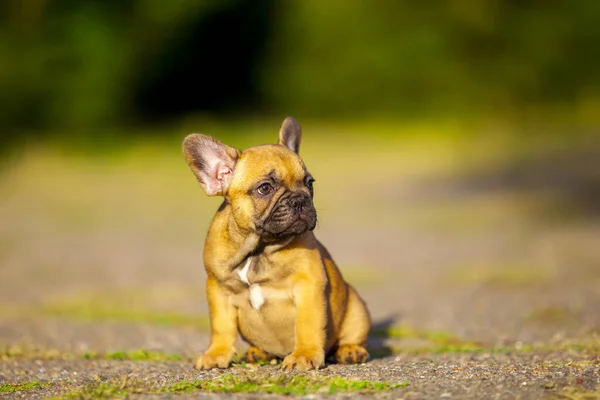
{"points": [[379, 337]]}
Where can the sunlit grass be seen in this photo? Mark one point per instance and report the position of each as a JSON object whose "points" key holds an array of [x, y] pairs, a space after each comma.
{"points": [[100, 313], [125, 306], [229, 383], [502, 275], [553, 315]]}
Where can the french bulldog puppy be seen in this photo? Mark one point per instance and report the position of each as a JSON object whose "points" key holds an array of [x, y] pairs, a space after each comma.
{"points": [[268, 277]]}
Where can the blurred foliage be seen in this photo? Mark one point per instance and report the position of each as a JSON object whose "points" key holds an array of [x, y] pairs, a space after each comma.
{"points": [[461, 55], [76, 65], [81, 63]]}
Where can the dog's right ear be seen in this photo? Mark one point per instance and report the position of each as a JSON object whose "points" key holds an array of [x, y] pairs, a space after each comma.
{"points": [[211, 161]]}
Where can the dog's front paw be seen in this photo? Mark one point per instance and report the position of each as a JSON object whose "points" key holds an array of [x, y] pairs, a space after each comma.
{"points": [[351, 354], [304, 360], [214, 359]]}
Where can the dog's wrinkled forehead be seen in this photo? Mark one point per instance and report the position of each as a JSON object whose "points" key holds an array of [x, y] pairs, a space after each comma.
{"points": [[259, 162]]}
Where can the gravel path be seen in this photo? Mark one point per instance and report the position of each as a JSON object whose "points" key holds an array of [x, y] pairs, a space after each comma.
{"points": [[501, 376]]}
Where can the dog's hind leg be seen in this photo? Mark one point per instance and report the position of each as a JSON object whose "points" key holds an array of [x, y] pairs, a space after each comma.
{"points": [[350, 347], [256, 355]]}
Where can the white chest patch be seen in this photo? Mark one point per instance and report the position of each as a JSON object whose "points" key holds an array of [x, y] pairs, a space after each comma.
{"points": [[243, 272], [256, 296]]}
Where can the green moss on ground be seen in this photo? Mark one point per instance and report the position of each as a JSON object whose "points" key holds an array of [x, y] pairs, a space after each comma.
{"points": [[25, 352], [289, 385], [21, 387], [135, 355], [297, 385]]}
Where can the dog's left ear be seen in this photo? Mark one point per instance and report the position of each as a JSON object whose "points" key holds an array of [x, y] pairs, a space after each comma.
{"points": [[290, 134]]}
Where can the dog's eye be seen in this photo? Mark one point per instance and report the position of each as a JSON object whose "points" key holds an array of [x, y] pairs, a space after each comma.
{"points": [[265, 189], [309, 184]]}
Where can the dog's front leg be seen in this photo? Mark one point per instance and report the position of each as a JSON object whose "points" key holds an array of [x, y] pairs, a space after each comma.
{"points": [[311, 321], [223, 328]]}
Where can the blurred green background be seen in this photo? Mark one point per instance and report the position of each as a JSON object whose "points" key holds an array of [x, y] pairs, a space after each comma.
{"points": [[86, 68], [455, 147]]}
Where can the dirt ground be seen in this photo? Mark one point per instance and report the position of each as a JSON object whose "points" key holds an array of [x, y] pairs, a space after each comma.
{"points": [[483, 279]]}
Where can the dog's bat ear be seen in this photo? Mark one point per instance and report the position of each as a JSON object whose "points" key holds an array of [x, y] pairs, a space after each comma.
{"points": [[290, 134], [211, 161]]}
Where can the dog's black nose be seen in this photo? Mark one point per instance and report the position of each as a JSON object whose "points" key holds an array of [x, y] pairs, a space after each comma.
{"points": [[298, 203]]}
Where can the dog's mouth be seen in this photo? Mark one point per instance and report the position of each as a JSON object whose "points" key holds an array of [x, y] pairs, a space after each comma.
{"points": [[300, 225], [293, 226]]}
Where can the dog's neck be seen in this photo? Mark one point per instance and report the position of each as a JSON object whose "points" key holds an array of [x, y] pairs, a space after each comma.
{"points": [[249, 244], [244, 243]]}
